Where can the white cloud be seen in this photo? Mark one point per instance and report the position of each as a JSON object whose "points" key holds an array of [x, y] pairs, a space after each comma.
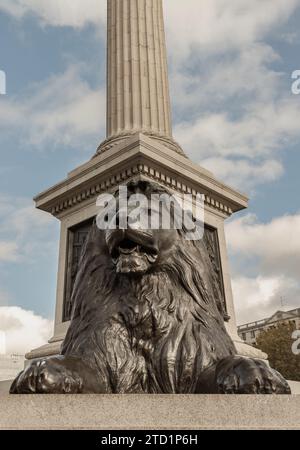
{"points": [[25, 232], [230, 102], [259, 297], [235, 75], [266, 261], [243, 172], [260, 132], [253, 297], [219, 25], [276, 244], [237, 108], [251, 143], [24, 330], [63, 110], [8, 251], [208, 24], [28, 237], [73, 13]]}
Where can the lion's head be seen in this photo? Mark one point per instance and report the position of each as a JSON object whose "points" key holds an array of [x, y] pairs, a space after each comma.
{"points": [[139, 247]]}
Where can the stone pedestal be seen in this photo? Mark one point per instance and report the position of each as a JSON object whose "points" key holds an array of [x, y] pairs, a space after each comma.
{"points": [[156, 412]]}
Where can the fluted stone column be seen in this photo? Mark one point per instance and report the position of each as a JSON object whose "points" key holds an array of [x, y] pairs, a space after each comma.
{"points": [[138, 97]]}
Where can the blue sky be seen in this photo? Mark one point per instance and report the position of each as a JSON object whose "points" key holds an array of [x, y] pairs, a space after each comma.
{"points": [[233, 109]]}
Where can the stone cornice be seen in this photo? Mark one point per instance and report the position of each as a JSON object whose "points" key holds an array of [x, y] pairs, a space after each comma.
{"points": [[122, 177], [140, 156]]}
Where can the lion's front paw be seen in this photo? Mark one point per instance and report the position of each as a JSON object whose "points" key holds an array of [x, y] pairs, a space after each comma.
{"points": [[47, 376], [240, 375]]}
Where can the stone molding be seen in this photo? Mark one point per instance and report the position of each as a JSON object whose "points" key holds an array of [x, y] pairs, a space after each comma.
{"points": [[124, 176], [112, 141], [139, 156]]}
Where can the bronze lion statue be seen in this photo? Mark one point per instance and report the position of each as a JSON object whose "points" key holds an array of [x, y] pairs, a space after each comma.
{"points": [[147, 319]]}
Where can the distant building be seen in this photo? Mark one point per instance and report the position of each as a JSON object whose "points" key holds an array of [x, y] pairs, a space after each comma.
{"points": [[10, 366], [250, 331]]}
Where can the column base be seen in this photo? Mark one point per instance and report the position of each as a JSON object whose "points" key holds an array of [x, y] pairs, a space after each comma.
{"points": [[112, 141], [244, 349], [50, 349]]}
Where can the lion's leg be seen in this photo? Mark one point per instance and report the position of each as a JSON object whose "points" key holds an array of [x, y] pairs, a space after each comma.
{"points": [[57, 375]]}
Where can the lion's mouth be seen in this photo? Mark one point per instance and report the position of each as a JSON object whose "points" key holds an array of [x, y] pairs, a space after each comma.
{"points": [[128, 248]]}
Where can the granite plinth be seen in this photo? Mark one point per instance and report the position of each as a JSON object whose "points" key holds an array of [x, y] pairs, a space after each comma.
{"points": [[105, 412]]}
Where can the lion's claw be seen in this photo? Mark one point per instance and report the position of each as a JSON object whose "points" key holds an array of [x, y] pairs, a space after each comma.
{"points": [[47, 376], [240, 375]]}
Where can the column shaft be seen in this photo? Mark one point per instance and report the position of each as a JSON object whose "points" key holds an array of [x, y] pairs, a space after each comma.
{"points": [[138, 90]]}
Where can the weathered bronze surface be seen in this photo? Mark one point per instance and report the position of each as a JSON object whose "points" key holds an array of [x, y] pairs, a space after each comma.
{"points": [[76, 240], [147, 317]]}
